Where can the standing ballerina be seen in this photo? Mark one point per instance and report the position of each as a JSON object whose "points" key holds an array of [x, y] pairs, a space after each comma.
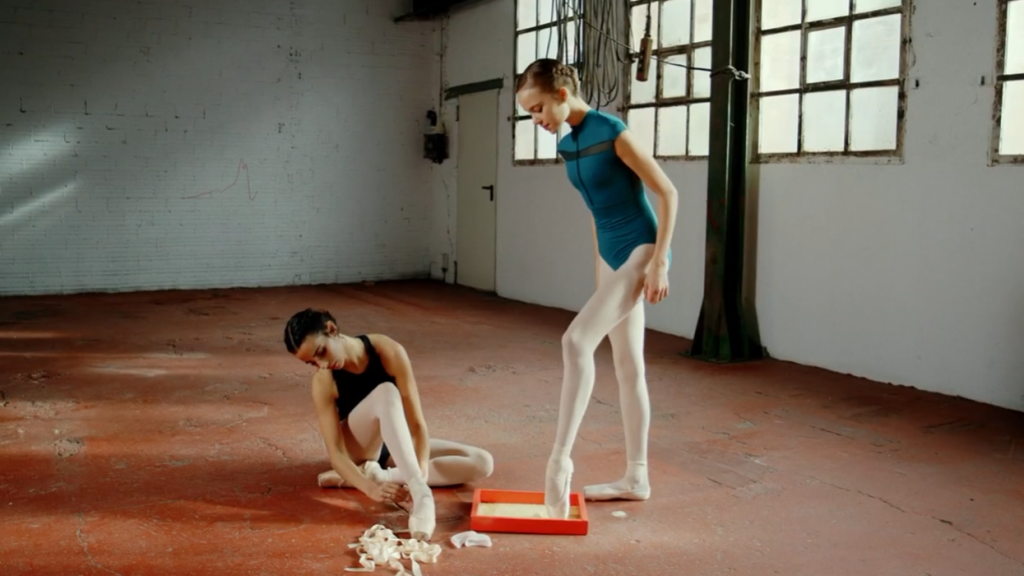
{"points": [[606, 164]]}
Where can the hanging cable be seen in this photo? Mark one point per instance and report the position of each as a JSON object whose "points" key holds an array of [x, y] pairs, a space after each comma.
{"points": [[586, 34], [598, 57], [600, 9]]}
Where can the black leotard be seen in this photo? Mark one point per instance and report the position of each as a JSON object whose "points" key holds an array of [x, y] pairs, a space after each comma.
{"points": [[354, 388]]}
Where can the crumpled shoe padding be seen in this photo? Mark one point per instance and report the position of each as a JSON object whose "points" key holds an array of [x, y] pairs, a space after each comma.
{"points": [[471, 538], [379, 546]]}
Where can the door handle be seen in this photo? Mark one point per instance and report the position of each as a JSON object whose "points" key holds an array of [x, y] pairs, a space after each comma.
{"points": [[491, 188]]}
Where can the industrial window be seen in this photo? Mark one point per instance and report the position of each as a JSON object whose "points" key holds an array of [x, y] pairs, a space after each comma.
{"points": [[544, 29], [1008, 136], [670, 112], [829, 78]]}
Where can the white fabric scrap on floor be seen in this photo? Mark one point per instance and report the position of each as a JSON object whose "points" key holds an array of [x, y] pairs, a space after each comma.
{"points": [[471, 538]]}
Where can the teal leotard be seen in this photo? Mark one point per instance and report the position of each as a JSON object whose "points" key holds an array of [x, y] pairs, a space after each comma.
{"points": [[613, 192]]}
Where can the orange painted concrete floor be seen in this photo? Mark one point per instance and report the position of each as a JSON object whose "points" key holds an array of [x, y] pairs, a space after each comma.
{"points": [[171, 433]]}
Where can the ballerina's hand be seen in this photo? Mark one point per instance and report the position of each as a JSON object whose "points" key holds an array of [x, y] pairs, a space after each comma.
{"points": [[656, 283]]}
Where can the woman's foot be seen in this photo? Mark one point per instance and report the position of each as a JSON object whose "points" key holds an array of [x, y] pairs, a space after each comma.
{"points": [[371, 469], [633, 486], [422, 519], [557, 485], [620, 490]]}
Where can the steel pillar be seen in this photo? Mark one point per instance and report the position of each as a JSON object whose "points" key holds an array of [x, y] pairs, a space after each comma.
{"points": [[727, 326]]}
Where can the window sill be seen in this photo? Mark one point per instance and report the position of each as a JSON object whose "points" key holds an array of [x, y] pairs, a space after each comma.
{"points": [[886, 158], [559, 161], [997, 160], [538, 162], [687, 159]]}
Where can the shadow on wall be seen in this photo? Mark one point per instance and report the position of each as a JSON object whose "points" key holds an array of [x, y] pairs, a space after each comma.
{"points": [[748, 291]]}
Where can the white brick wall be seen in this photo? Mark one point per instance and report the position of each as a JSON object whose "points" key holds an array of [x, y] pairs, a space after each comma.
{"points": [[170, 144]]}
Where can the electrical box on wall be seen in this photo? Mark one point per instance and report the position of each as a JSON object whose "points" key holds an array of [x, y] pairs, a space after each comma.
{"points": [[435, 147]]}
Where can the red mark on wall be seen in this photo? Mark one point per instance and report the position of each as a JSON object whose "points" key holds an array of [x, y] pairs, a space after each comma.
{"points": [[248, 185]]}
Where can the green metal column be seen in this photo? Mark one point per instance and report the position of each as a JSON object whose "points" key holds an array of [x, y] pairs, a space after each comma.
{"points": [[726, 329]]}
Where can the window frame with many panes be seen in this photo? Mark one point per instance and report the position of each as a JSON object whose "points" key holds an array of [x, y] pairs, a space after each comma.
{"points": [[522, 123], [864, 70], [1008, 146], [671, 87]]}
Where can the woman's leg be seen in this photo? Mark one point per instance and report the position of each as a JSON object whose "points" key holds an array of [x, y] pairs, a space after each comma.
{"points": [[617, 295], [379, 418], [627, 340], [451, 464]]}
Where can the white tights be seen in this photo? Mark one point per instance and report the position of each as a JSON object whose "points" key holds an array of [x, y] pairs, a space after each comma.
{"points": [[615, 310], [380, 418]]}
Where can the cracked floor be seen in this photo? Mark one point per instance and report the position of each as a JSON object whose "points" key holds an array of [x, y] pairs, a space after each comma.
{"points": [[170, 432]]}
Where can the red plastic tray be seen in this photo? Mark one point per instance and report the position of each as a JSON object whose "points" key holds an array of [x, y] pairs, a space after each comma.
{"points": [[571, 526]]}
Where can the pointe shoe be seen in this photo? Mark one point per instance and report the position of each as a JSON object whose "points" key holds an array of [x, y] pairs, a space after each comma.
{"points": [[422, 521], [330, 479], [557, 486], [371, 469], [617, 491]]}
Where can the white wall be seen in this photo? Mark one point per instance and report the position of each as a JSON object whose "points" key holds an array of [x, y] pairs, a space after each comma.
{"points": [[908, 273], [911, 273], [302, 119]]}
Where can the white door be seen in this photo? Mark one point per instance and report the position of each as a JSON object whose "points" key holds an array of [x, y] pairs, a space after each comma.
{"points": [[476, 220]]}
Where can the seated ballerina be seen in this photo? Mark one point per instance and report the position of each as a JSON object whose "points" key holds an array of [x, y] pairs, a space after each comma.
{"points": [[368, 406]]}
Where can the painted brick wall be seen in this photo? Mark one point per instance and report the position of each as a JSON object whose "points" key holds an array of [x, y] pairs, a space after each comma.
{"points": [[169, 144]]}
